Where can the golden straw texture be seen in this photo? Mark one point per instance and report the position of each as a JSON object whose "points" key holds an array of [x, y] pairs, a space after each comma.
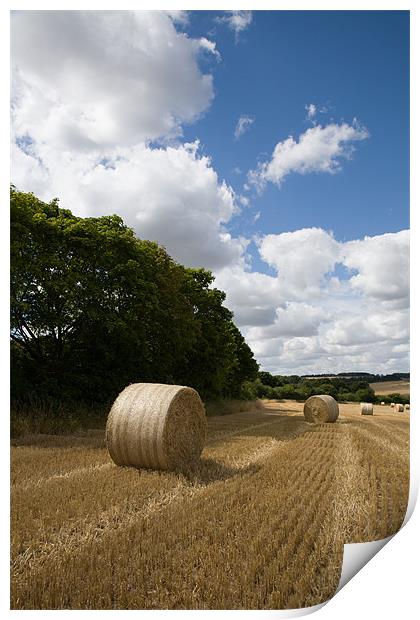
{"points": [[399, 407], [156, 426], [321, 408], [366, 408]]}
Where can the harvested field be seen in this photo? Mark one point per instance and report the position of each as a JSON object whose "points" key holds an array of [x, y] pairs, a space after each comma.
{"points": [[259, 525], [391, 387]]}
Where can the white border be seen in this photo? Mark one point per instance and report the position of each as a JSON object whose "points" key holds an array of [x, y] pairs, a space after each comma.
{"points": [[386, 585]]}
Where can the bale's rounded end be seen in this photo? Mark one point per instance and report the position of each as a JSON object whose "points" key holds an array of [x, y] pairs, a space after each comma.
{"points": [[185, 429], [156, 426], [399, 407], [320, 408]]}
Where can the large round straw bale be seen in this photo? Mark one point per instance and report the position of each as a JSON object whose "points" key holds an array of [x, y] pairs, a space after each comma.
{"points": [[366, 408], [407, 407], [321, 408], [157, 426], [399, 407]]}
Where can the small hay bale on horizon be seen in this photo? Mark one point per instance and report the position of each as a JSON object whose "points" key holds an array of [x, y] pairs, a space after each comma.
{"points": [[156, 426], [407, 407], [382, 403], [320, 408], [392, 404], [366, 408]]}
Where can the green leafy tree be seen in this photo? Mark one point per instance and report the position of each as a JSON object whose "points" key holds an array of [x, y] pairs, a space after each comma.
{"points": [[220, 360], [85, 299], [267, 378], [94, 308], [244, 369], [365, 395]]}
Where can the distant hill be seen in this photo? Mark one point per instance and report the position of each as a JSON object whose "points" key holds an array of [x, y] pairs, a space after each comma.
{"points": [[390, 387], [370, 377]]}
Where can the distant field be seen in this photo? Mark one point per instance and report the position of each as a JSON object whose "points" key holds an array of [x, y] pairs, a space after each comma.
{"points": [[260, 524], [389, 387]]}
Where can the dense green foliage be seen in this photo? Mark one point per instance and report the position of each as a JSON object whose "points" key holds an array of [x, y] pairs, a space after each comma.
{"points": [[293, 387], [94, 308]]}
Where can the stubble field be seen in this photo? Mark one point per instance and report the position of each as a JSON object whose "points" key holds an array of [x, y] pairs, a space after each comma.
{"points": [[391, 387], [259, 525]]}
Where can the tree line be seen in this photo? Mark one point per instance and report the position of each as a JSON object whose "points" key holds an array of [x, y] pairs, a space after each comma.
{"points": [[94, 308], [372, 378], [342, 389]]}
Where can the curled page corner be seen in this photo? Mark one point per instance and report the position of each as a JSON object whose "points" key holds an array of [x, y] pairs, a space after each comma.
{"points": [[294, 613], [357, 555]]}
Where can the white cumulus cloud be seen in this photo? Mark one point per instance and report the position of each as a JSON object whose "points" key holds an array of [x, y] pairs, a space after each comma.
{"points": [[237, 20], [252, 296], [210, 46], [308, 319], [243, 124], [91, 79], [373, 325], [292, 319], [319, 149], [382, 265], [310, 111], [301, 258]]}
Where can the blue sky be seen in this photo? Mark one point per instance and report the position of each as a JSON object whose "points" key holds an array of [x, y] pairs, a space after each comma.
{"points": [[356, 64], [302, 216]]}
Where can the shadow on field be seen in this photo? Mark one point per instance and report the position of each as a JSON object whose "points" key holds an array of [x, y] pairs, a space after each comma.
{"points": [[209, 471]]}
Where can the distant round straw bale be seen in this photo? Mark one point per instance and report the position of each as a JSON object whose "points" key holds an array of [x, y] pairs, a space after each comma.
{"points": [[321, 408], [156, 426], [392, 404], [399, 407], [382, 403], [407, 407], [366, 408]]}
